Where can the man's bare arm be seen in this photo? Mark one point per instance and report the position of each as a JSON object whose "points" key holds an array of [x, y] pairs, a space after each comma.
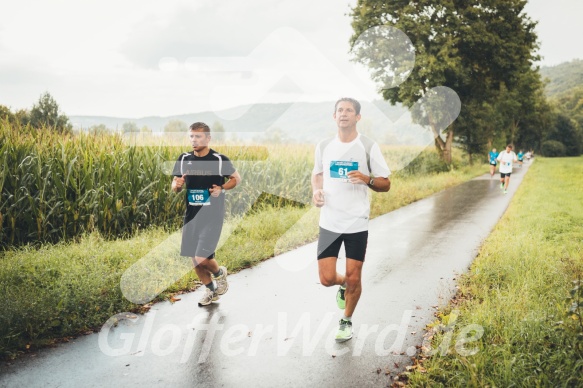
{"points": [[317, 189]]}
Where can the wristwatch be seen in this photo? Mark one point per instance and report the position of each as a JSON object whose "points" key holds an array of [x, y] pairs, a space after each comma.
{"points": [[371, 182], [222, 189]]}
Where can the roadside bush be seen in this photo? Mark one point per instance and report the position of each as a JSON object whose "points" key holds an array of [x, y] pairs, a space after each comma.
{"points": [[428, 162], [553, 148]]}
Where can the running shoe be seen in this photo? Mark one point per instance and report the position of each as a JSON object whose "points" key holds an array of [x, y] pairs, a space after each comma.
{"points": [[222, 285], [501, 186], [340, 300], [344, 331], [208, 297], [505, 192]]}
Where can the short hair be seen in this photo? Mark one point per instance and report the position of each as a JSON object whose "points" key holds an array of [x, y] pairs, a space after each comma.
{"points": [[200, 125], [355, 104], [509, 145]]}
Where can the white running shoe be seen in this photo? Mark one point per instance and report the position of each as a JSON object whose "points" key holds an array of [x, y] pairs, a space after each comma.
{"points": [[222, 285], [208, 297]]}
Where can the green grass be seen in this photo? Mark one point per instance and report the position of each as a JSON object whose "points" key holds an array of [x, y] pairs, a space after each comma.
{"points": [[516, 288], [71, 287]]}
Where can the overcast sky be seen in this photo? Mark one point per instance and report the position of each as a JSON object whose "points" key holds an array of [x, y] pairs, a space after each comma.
{"points": [[147, 58]]}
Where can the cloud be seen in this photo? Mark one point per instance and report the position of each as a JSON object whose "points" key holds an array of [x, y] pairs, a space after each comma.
{"points": [[23, 80], [226, 28], [559, 28]]}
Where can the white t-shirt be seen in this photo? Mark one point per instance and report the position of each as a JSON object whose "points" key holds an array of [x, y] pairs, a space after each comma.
{"points": [[506, 159], [346, 205]]}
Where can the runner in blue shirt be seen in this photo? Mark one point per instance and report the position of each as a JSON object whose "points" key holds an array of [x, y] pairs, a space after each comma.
{"points": [[493, 155], [520, 157]]}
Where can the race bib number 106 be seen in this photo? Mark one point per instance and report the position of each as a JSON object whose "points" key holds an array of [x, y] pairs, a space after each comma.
{"points": [[197, 197], [339, 169]]}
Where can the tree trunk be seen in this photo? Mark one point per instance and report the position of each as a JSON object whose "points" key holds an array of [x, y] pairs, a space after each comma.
{"points": [[448, 144], [444, 147], [439, 146], [513, 130]]}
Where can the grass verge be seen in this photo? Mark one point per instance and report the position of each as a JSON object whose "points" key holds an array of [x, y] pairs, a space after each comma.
{"points": [[512, 304]]}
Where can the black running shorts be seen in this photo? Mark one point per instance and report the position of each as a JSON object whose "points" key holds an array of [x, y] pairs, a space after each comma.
{"points": [[200, 236], [354, 243]]}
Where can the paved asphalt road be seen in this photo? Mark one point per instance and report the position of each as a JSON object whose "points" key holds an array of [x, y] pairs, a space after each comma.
{"points": [[275, 326]]}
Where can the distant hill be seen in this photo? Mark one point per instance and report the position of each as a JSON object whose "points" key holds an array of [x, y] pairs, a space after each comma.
{"points": [[563, 77], [301, 122]]}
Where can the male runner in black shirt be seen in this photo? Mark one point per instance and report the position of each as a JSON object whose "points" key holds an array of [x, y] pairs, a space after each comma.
{"points": [[202, 173]]}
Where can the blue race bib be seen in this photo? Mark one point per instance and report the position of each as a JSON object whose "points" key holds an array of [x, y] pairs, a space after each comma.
{"points": [[198, 197], [339, 169]]}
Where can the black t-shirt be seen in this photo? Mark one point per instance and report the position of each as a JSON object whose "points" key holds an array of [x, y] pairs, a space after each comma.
{"points": [[201, 174]]}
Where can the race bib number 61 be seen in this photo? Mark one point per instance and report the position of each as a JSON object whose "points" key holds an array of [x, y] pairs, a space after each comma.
{"points": [[339, 169]]}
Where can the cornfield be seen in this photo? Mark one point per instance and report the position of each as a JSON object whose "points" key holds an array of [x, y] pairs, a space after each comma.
{"points": [[55, 187]]}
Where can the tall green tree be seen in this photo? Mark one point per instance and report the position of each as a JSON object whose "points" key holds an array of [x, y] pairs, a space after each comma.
{"points": [[476, 48], [176, 126], [22, 117], [571, 103], [99, 129], [130, 127], [7, 116], [535, 116], [274, 135], [6, 113], [218, 127], [218, 131], [46, 113], [566, 131]]}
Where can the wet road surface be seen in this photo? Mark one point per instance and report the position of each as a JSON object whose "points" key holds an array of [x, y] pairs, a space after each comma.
{"points": [[275, 327]]}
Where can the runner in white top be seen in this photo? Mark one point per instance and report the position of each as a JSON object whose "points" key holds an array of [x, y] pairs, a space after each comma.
{"points": [[506, 159], [347, 205], [345, 168]]}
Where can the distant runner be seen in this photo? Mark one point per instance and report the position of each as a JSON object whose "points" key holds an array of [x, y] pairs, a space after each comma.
{"points": [[506, 158], [520, 157], [345, 167], [492, 156], [203, 171]]}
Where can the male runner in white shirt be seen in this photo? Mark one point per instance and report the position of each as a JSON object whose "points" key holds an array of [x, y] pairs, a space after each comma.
{"points": [[345, 168], [506, 159]]}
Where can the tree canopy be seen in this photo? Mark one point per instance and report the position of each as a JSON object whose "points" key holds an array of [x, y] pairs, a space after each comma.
{"points": [[483, 50], [565, 89], [176, 126], [46, 113]]}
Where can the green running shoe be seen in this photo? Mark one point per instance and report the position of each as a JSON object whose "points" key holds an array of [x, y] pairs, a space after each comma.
{"points": [[340, 300], [501, 186], [344, 331]]}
